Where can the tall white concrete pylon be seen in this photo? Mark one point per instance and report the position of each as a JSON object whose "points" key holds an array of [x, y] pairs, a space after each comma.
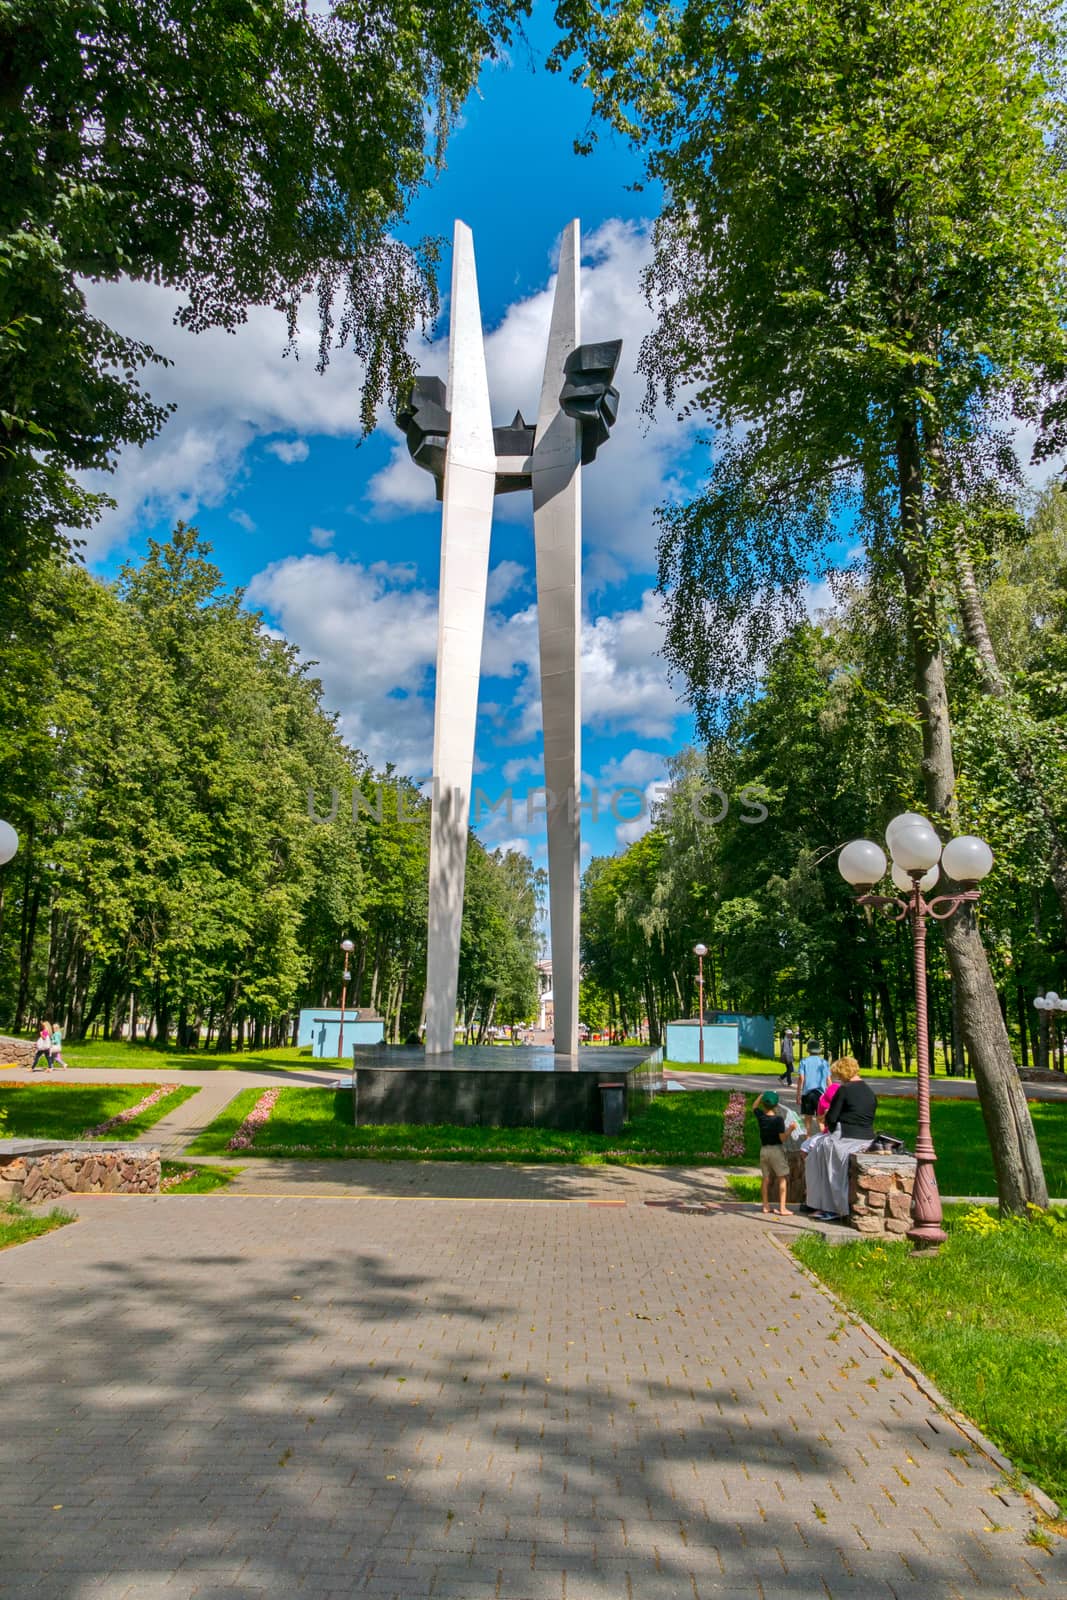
{"points": [[557, 498], [468, 488]]}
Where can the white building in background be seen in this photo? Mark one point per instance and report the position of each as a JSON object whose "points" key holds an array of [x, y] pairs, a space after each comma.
{"points": [[545, 1008]]}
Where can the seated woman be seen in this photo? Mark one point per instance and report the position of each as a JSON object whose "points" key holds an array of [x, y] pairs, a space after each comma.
{"points": [[849, 1128]]}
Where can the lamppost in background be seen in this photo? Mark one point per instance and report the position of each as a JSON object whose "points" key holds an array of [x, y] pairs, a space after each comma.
{"points": [[700, 951], [918, 857], [347, 946], [1051, 1002], [9, 843]]}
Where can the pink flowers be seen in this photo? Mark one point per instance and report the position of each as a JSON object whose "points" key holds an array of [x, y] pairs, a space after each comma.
{"points": [[178, 1177], [132, 1111], [733, 1127], [259, 1114]]}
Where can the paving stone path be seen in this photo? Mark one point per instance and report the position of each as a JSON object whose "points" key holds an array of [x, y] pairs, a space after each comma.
{"points": [[486, 1383]]}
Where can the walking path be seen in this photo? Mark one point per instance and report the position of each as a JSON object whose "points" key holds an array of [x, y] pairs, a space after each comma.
{"points": [[486, 1384]]}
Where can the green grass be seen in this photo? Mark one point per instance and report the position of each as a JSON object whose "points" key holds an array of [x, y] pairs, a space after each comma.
{"points": [[985, 1318], [117, 1055], [744, 1185], [202, 1180], [745, 1064], [17, 1223], [964, 1160], [675, 1129], [65, 1110]]}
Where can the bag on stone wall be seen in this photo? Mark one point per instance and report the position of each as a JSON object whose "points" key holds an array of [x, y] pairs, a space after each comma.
{"points": [[883, 1144]]}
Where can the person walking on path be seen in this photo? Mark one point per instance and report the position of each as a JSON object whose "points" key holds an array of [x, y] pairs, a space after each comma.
{"points": [[56, 1051], [849, 1129], [787, 1058], [43, 1047], [812, 1079], [773, 1162]]}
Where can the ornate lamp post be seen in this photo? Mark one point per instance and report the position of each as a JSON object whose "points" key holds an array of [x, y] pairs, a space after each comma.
{"points": [[1050, 1001], [700, 951], [347, 946], [917, 860]]}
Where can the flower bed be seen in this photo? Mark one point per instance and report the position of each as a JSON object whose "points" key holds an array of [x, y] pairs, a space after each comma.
{"points": [[733, 1127], [259, 1114], [176, 1178], [131, 1112]]}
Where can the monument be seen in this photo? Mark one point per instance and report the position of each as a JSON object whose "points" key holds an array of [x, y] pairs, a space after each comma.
{"points": [[450, 434]]}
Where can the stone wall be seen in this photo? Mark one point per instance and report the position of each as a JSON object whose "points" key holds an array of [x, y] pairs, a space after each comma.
{"points": [[36, 1176], [879, 1193], [16, 1052]]}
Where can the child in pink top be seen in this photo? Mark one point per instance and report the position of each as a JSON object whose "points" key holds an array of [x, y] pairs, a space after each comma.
{"points": [[824, 1101]]}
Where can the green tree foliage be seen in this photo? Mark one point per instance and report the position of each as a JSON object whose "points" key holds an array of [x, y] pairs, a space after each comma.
{"points": [[246, 152], [171, 866], [859, 260], [830, 746]]}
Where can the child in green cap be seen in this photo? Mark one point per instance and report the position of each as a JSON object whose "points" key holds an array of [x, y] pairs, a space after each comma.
{"points": [[772, 1158]]}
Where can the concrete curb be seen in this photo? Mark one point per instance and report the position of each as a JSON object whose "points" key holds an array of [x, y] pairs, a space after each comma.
{"points": [[926, 1386]]}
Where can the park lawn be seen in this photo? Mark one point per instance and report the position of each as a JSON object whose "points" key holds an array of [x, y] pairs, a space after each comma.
{"points": [[985, 1319], [18, 1223], [198, 1179], [674, 1130], [746, 1064], [65, 1110], [117, 1054], [964, 1159]]}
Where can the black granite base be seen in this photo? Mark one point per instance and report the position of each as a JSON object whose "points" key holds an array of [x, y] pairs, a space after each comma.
{"points": [[501, 1086]]}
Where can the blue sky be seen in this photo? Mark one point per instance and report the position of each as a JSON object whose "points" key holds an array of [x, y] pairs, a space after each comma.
{"points": [[338, 543]]}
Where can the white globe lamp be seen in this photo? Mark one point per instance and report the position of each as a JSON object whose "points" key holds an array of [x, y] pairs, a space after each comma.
{"points": [[907, 819], [967, 859], [916, 848], [905, 883], [9, 842], [862, 863]]}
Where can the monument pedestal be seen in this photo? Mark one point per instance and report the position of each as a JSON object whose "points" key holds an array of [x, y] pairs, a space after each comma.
{"points": [[500, 1086]]}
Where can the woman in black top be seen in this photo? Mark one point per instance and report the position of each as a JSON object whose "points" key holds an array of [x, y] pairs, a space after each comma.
{"points": [[849, 1128], [853, 1107]]}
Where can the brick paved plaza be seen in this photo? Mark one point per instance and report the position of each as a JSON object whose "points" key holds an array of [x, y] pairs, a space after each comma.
{"points": [[577, 1398]]}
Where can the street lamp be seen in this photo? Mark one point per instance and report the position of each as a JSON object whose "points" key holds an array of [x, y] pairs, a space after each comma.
{"points": [[9, 843], [347, 946], [917, 858], [700, 951], [1051, 1001]]}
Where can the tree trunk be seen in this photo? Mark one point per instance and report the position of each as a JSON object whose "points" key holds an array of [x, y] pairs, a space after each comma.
{"points": [[1016, 1157]]}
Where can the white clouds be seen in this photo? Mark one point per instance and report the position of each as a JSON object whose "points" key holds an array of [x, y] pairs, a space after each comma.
{"points": [[505, 577], [289, 450], [322, 538], [229, 390], [373, 632], [243, 520], [374, 637]]}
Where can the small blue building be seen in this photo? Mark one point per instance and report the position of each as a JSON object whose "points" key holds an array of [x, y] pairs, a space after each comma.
{"points": [[720, 1042], [726, 1034], [755, 1035], [320, 1026]]}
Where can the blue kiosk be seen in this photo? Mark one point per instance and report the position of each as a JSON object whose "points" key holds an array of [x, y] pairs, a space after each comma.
{"points": [[320, 1027]]}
